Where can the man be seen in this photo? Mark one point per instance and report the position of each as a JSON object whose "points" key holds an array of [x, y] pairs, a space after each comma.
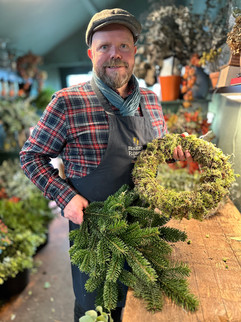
{"points": [[98, 128]]}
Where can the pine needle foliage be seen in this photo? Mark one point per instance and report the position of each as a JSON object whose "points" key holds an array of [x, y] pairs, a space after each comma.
{"points": [[125, 241]]}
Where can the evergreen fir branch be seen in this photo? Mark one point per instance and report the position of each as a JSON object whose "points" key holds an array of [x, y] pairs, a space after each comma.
{"points": [[110, 295], [77, 255], [152, 295], [140, 265], [94, 207], [160, 263], [159, 247], [99, 300], [115, 267], [172, 234], [103, 252], [159, 220], [128, 278], [177, 290], [116, 245], [117, 227], [85, 263], [177, 269], [135, 235], [94, 282], [140, 212]]}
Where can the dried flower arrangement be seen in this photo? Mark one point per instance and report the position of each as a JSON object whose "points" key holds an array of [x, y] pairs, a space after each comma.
{"points": [[171, 30], [210, 59], [234, 37]]}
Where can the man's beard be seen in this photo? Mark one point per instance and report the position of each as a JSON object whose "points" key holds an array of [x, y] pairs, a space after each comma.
{"points": [[116, 80]]}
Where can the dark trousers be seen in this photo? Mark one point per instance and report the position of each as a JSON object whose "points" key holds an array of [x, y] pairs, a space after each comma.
{"points": [[79, 312]]}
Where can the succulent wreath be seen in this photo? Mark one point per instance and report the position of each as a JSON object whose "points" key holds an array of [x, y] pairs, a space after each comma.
{"points": [[215, 179]]}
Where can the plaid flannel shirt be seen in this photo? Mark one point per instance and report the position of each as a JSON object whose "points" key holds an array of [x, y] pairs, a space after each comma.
{"points": [[75, 127]]}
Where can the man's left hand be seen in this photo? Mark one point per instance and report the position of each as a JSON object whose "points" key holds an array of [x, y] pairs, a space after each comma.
{"points": [[179, 155]]}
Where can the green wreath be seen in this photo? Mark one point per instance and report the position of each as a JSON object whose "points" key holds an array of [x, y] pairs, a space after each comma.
{"points": [[216, 177]]}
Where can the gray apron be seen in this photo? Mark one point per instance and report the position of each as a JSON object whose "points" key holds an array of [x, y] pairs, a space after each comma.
{"points": [[127, 136]]}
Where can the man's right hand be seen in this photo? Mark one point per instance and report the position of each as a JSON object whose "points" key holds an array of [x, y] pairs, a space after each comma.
{"points": [[74, 210]]}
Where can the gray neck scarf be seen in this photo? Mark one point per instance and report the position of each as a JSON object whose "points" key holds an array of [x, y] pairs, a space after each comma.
{"points": [[126, 106]]}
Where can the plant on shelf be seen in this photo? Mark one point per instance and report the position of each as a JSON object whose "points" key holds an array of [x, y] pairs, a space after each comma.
{"points": [[17, 118], [234, 36], [31, 209], [187, 120], [210, 59], [43, 98], [194, 84], [25, 215], [16, 251]]}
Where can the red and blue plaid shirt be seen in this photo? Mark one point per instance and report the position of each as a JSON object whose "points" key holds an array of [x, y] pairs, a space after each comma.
{"points": [[75, 127]]}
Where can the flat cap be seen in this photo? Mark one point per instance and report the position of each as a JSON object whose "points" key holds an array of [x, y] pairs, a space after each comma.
{"points": [[111, 16]]}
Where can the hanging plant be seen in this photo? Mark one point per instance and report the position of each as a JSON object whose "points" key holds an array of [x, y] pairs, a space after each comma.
{"points": [[215, 180]]}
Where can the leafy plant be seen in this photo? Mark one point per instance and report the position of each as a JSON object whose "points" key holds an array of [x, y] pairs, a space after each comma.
{"points": [[43, 98], [96, 315], [33, 207], [122, 230], [25, 215], [17, 117], [17, 253]]}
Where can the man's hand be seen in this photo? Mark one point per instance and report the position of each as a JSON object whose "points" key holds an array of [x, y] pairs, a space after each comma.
{"points": [[74, 209], [179, 155]]}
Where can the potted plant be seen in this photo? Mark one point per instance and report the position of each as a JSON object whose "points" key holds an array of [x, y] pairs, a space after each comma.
{"points": [[16, 258], [211, 61], [16, 118], [30, 209]]}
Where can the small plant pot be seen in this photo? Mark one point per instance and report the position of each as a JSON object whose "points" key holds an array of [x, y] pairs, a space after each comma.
{"points": [[14, 285], [214, 78], [170, 87]]}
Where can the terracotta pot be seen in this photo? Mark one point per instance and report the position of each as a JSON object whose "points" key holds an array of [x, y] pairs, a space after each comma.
{"points": [[214, 78], [170, 87]]}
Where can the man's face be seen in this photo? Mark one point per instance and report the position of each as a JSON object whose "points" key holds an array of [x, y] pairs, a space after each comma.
{"points": [[113, 55]]}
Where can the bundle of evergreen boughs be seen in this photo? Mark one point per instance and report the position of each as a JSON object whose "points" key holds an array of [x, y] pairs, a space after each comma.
{"points": [[122, 230]]}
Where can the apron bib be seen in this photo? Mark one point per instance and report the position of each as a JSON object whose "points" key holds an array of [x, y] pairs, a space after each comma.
{"points": [[127, 137]]}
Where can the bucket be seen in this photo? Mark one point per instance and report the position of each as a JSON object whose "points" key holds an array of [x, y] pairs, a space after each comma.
{"points": [[170, 87]]}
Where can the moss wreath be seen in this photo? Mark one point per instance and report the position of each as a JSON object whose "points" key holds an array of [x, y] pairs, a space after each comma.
{"points": [[216, 177]]}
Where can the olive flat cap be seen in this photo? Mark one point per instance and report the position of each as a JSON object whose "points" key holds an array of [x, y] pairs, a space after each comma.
{"points": [[111, 16]]}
